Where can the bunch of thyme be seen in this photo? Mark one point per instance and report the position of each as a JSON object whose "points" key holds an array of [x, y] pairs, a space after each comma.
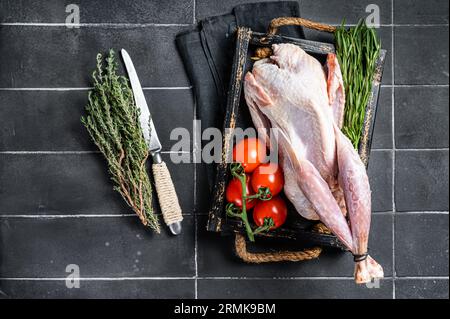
{"points": [[112, 120]]}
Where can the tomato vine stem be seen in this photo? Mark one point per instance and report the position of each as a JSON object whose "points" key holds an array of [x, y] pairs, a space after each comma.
{"points": [[237, 171]]}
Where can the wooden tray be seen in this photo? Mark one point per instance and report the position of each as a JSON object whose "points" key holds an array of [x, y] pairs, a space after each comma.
{"points": [[296, 229]]}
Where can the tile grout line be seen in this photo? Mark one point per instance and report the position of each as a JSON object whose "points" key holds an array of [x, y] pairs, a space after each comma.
{"points": [[93, 25], [61, 216], [444, 149], [211, 278], [162, 88], [415, 85], [194, 156], [185, 278], [166, 25], [425, 212], [410, 149], [194, 4], [393, 148], [49, 152], [72, 152], [430, 212], [93, 278], [421, 149], [54, 216], [147, 88], [423, 278], [416, 25]]}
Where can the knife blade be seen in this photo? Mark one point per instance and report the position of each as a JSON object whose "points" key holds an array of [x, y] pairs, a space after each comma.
{"points": [[145, 119], [167, 196]]}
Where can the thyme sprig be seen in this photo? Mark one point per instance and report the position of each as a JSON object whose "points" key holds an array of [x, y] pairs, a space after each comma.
{"points": [[112, 120], [357, 50]]}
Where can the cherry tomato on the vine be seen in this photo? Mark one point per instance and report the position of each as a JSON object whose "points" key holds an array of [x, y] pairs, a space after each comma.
{"points": [[275, 208], [268, 175], [250, 152], [233, 193]]}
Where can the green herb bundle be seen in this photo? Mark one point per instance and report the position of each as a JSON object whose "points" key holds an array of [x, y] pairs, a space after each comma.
{"points": [[357, 50], [112, 120]]}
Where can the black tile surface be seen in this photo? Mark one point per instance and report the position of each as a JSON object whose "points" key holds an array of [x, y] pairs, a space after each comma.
{"points": [[421, 117], [72, 184], [98, 11], [101, 247], [332, 12], [50, 120], [335, 11], [291, 289], [216, 257], [178, 106], [43, 120], [382, 137], [204, 191], [421, 55], [421, 12], [421, 289], [385, 35], [49, 57], [109, 289], [421, 245], [55, 184], [421, 180], [380, 178], [61, 183]]}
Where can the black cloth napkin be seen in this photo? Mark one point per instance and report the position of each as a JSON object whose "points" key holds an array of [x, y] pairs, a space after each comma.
{"points": [[207, 53]]}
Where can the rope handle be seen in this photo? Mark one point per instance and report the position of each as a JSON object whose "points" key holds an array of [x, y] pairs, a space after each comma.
{"points": [[257, 258], [284, 21], [167, 196], [264, 52]]}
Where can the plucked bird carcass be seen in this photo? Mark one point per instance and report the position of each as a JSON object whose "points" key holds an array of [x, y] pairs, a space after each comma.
{"points": [[324, 177]]}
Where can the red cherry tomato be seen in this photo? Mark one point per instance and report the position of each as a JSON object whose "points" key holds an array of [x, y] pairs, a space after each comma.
{"points": [[275, 208], [234, 193], [268, 175], [250, 152]]}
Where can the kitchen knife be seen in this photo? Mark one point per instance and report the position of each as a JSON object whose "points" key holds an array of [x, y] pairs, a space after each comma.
{"points": [[167, 196]]}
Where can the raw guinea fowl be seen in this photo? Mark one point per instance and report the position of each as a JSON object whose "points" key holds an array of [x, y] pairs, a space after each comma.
{"points": [[324, 176]]}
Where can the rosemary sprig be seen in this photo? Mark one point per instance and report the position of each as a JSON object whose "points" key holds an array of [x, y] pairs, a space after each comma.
{"points": [[112, 120], [357, 50]]}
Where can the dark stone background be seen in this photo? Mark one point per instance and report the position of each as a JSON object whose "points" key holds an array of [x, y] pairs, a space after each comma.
{"points": [[57, 206]]}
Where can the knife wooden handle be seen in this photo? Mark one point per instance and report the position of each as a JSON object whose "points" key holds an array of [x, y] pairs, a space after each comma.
{"points": [[168, 199]]}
